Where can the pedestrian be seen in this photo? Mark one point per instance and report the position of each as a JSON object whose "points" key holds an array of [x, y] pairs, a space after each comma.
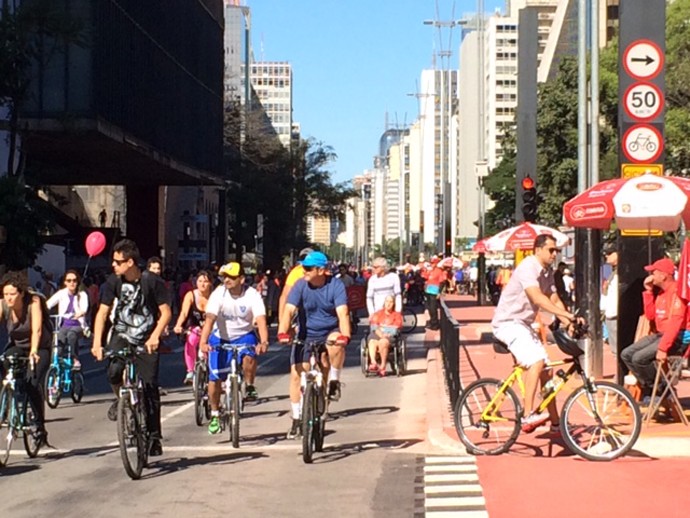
{"points": [[609, 299]]}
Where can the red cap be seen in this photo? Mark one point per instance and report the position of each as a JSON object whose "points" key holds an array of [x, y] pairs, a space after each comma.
{"points": [[663, 265], [434, 259]]}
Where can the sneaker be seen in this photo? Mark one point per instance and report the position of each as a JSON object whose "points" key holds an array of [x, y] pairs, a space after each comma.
{"points": [[189, 378], [295, 430], [334, 390], [251, 394], [112, 411], [533, 421], [214, 425], [156, 449], [373, 368], [76, 365]]}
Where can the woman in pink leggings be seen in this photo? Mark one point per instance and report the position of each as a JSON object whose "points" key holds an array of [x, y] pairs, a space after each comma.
{"points": [[191, 318]]}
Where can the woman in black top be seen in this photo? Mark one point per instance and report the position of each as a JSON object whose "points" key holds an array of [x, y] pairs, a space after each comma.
{"points": [[28, 334]]}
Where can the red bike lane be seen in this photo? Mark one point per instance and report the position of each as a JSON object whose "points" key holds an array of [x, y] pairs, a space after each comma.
{"points": [[539, 476]]}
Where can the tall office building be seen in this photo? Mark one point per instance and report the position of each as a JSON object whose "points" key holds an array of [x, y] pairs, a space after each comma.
{"points": [[272, 84]]}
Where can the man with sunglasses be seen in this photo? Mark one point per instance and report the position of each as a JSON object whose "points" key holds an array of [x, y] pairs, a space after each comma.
{"points": [[530, 288], [320, 302], [141, 314], [232, 312]]}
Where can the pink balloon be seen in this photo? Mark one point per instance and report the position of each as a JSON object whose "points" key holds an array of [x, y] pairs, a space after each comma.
{"points": [[95, 243]]}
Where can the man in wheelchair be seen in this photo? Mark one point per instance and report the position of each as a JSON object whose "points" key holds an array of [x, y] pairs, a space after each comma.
{"points": [[385, 326]]}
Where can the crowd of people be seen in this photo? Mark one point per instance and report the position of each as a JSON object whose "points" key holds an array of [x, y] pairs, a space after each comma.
{"points": [[135, 303]]}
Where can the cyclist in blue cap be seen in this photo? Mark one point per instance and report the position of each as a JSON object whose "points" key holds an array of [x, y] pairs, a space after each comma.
{"points": [[323, 317]]}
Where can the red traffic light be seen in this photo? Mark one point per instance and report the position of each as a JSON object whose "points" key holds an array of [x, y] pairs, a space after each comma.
{"points": [[527, 183]]}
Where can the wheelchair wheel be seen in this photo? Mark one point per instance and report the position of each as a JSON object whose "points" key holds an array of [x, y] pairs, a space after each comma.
{"points": [[363, 356], [401, 357]]}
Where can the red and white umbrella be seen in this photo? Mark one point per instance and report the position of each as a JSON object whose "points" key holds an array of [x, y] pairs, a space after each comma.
{"points": [[479, 246], [522, 238], [643, 202]]}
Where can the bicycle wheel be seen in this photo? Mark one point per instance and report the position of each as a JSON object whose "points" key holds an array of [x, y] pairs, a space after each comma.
{"points": [[487, 421], [308, 414], [363, 356], [401, 357], [130, 435], [602, 425], [409, 320], [52, 388], [6, 402], [77, 386], [320, 429], [200, 399], [235, 412], [30, 432]]}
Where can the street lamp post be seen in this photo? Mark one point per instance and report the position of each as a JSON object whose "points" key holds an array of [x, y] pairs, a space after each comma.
{"points": [[481, 171]]}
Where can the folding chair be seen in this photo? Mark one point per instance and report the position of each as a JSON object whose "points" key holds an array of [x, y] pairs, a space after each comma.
{"points": [[669, 374]]}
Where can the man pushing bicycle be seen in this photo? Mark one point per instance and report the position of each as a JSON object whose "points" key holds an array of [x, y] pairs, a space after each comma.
{"points": [[531, 288]]}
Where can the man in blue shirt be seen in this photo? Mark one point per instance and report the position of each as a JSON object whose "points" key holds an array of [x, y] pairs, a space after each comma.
{"points": [[323, 317]]}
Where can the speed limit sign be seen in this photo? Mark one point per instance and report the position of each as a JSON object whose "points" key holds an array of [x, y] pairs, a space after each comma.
{"points": [[643, 101]]}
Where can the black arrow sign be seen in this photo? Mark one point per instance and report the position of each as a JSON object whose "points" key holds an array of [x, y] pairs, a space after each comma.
{"points": [[646, 60]]}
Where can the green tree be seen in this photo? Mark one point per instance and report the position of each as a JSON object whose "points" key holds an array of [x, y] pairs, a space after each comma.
{"points": [[677, 75]]}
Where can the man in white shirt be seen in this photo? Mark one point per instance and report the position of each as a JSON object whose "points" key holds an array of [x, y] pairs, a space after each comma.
{"points": [[530, 288], [381, 284], [234, 309]]}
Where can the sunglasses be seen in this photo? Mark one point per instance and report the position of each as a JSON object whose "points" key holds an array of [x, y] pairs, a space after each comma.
{"points": [[70, 280], [119, 262], [308, 268], [556, 250]]}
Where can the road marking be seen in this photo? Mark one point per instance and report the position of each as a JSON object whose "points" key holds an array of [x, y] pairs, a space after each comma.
{"points": [[177, 411], [452, 488]]}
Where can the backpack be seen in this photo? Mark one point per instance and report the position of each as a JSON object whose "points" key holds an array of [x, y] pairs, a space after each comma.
{"points": [[47, 321]]}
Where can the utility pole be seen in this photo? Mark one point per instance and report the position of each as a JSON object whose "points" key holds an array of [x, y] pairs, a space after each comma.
{"points": [[481, 159], [444, 204]]}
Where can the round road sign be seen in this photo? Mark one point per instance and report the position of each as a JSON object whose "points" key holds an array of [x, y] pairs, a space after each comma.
{"points": [[643, 59], [643, 101], [642, 143]]}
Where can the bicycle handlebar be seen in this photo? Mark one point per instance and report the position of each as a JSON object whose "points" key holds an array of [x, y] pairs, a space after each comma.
{"points": [[125, 352]]}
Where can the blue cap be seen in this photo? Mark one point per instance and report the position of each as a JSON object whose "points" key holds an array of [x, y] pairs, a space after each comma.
{"points": [[317, 259]]}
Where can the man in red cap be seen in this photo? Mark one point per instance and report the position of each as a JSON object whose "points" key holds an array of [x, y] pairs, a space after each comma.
{"points": [[669, 315], [432, 290]]}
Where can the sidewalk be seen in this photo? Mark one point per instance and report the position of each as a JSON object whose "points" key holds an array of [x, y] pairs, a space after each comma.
{"points": [[478, 359]]}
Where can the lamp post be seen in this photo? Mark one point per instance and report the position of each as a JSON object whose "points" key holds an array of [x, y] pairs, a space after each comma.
{"points": [[481, 171]]}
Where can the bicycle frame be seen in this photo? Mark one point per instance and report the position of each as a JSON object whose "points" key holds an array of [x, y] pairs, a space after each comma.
{"points": [[63, 365]]}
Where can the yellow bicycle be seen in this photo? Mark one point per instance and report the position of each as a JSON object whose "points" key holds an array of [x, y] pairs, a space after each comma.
{"points": [[599, 421]]}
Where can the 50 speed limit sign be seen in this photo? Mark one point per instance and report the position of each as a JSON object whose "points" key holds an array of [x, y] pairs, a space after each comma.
{"points": [[643, 101]]}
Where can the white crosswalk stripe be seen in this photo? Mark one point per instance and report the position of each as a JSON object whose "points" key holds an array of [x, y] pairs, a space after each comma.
{"points": [[451, 487]]}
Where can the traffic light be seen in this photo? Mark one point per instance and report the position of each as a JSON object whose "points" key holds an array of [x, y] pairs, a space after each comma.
{"points": [[448, 249], [529, 199]]}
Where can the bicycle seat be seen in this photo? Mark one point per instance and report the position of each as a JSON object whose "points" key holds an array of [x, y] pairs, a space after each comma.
{"points": [[500, 347]]}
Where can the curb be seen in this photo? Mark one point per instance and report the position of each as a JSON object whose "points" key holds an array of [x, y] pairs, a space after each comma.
{"points": [[440, 427]]}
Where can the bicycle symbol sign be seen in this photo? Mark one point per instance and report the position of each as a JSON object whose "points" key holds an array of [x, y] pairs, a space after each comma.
{"points": [[642, 143]]}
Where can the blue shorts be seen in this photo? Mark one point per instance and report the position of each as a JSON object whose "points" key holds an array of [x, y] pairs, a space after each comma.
{"points": [[219, 359]]}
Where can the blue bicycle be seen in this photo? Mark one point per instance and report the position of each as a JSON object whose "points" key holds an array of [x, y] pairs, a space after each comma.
{"points": [[17, 414], [62, 378]]}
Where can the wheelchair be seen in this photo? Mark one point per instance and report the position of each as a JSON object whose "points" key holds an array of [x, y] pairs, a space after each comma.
{"points": [[397, 356]]}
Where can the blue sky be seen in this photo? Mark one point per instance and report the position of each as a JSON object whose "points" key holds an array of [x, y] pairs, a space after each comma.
{"points": [[354, 61]]}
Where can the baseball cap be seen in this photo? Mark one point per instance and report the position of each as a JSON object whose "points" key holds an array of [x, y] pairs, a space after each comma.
{"points": [[317, 259], [434, 259], [231, 269], [663, 265]]}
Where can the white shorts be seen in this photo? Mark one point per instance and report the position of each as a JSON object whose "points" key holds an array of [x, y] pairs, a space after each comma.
{"points": [[522, 341]]}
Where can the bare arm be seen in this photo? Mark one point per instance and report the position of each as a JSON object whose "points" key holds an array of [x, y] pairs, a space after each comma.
{"points": [[206, 332], [282, 302], [36, 327], [344, 320], [286, 318], [262, 327], [98, 327], [161, 324], [184, 311]]}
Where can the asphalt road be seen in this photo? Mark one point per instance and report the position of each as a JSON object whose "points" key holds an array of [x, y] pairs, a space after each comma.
{"points": [[368, 467]]}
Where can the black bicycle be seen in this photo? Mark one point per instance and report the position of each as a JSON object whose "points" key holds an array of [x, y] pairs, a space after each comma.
{"points": [[17, 413], [132, 433], [314, 402]]}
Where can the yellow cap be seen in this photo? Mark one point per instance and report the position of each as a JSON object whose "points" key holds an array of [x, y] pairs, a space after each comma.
{"points": [[231, 269]]}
